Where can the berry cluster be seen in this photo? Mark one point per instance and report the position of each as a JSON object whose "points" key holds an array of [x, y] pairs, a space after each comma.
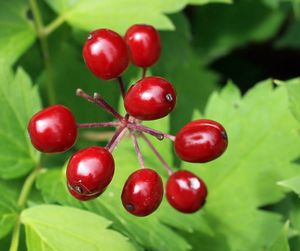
{"points": [[90, 170]]}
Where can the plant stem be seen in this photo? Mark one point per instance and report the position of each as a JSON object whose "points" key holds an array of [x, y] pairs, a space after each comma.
{"points": [[137, 149], [98, 100], [120, 132], [98, 124], [122, 86], [45, 49], [53, 25], [27, 187], [14, 244], [158, 134], [160, 158], [21, 204]]}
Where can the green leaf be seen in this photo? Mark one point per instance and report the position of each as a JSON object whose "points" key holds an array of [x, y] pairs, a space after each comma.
{"points": [[56, 228], [52, 184], [18, 101], [290, 208], [293, 184], [259, 125], [8, 209], [118, 14], [281, 243], [295, 223], [208, 1], [272, 3], [293, 88], [290, 39], [16, 32], [276, 3], [8, 216], [220, 28]]}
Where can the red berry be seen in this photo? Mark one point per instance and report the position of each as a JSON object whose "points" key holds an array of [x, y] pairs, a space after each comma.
{"points": [[201, 141], [150, 98], [144, 43], [185, 191], [142, 192], [53, 129], [89, 172], [106, 54]]}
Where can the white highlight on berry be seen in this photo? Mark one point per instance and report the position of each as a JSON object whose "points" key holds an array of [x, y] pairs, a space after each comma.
{"points": [[199, 138], [42, 125], [138, 188], [147, 96], [183, 184], [194, 183]]}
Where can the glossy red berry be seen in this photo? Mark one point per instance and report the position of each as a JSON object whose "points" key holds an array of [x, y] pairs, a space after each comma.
{"points": [[142, 192], [144, 44], [201, 141], [106, 54], [89, 172], [150, 98], [185, 191], [53, 129]]}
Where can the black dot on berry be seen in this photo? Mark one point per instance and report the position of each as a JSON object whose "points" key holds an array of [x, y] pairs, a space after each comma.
{"points": [[90, 36], [224, 135], [78, 189], [129, 207], [169, 97]]}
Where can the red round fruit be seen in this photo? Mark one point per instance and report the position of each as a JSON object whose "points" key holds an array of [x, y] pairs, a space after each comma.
{"points": [[106, 54], [89, 172], [144, 44], [201, 141], [185, 191], [142, 192], [53, 129], [150, 98]]}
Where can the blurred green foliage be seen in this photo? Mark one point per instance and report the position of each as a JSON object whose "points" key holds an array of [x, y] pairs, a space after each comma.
{"points": [[253, 201]]}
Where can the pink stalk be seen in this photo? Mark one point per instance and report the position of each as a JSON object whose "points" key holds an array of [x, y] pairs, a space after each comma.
{"points": [[160, 158], [96, 124], [98, 100], [137, 149]]}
